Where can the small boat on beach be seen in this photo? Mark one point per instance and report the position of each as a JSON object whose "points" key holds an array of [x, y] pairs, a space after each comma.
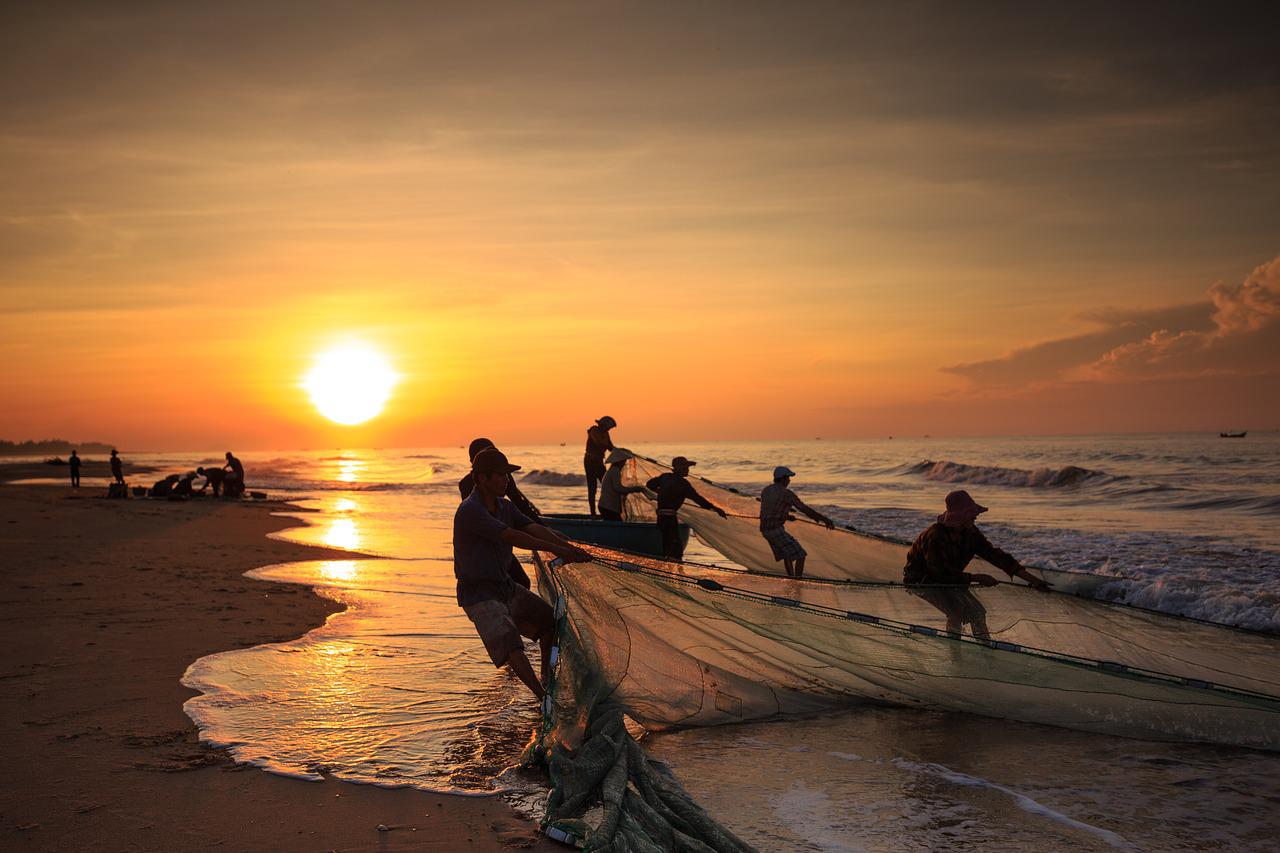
{"points": [[1240, 434], [638, 537]]}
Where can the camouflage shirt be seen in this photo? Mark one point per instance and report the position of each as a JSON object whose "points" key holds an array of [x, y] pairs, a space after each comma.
{"points": [[940, 554]]}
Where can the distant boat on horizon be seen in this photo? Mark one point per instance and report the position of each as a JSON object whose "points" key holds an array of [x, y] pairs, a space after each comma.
{"points": [[1240, 434]]}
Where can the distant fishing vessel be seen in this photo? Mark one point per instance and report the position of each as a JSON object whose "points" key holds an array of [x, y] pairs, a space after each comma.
{"points": [[1240, 434]]}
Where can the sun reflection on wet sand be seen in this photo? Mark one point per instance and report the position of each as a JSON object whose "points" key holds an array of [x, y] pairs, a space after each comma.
{"points": [[342, 533], [339, 570]]}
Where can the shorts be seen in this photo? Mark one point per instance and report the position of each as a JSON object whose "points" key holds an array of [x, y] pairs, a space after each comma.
{"points": [[594, 468], [669, 527], [784, 545], [501, 624], [955, 602]]}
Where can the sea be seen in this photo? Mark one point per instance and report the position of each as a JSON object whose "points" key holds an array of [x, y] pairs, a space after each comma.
{"points": [[396, 690]]}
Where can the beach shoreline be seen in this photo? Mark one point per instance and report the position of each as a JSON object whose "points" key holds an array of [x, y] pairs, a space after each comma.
{"points": [[108, 603]]}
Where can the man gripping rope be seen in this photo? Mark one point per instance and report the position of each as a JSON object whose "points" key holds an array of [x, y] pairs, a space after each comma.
{"points": [[776, 502], [485, 528], [673, 490]]}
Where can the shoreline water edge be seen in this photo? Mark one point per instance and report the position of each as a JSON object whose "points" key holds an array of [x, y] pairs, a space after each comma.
{"points": [[108, 603]]}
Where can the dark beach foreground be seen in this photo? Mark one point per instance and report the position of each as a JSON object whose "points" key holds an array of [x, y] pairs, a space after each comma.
{"points": [[106, 604]]}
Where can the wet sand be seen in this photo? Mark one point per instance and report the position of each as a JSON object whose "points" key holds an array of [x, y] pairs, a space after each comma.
{"points": [[106, 603]]}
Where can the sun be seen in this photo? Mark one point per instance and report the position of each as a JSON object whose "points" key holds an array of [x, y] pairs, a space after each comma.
{"points": [[350, 384]]}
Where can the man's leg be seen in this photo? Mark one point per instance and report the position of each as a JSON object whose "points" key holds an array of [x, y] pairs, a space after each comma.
{"points": [[524, 671], [788, 568], [546, 643], [800, 566], [980, 629]]}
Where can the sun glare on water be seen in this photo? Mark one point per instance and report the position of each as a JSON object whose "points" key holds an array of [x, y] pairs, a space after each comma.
{"points": [[350, 384]]}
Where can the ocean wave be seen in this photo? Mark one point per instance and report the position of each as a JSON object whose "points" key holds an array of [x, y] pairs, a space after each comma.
{"points": [[539, 477], [947, 471], [1261, 504]]}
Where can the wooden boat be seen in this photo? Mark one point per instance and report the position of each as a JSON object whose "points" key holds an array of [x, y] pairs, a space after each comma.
{"points": [[639, 537], [1240, 434]]}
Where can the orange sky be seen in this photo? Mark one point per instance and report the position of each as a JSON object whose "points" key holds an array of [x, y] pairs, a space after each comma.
{"points": [[720, 221]]}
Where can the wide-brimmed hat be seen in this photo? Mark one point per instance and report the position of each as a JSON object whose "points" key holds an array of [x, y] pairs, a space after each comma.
{"points": [[782, 471], [961, 507], [606, 422], [618, 455], [491, 460], [680, 460]]}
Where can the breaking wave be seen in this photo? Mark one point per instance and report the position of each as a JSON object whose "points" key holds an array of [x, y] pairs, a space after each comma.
{"points": [[539, 477], [947, 471]]}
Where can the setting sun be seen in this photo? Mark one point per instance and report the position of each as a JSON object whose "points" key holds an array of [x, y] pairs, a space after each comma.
{"points": [[350, 384]]}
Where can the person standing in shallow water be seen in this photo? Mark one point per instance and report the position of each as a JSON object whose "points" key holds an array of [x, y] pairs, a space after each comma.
{"points": [[117, 468], [776, 502], [485, 528], [937, 559], [468, 484], [673, 490], [598, 444], [74, 462]]}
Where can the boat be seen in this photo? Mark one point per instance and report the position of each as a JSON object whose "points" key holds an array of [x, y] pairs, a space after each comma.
{"points": [[637, 537], [1240, 434]]}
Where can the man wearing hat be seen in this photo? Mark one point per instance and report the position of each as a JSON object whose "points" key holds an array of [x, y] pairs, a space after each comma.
{"points": [[467, 485], [485, 528], [937, 559], [612, 492], [598, 444], [673, 490], [776, 502]]}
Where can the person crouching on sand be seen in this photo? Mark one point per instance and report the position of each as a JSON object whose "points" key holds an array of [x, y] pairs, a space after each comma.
{"points": [[776, 502], [939, 556], [485, 528]]}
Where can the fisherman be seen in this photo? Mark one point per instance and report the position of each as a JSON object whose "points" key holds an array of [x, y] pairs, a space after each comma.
{"points": [[183, 487], [517, 497], [234, 485], [468, 484], [939, 556], [74, 462], [598, 443], [776, 502], [163, 488], [673, 490], [485, 527], [212, 477], [612, 492], [117, 468]]}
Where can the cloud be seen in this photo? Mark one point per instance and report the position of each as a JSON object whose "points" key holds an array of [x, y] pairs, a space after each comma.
{"points": [[1234, 331]]}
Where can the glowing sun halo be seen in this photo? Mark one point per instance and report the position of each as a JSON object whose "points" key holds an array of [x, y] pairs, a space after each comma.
{"points": [[350, 384]]}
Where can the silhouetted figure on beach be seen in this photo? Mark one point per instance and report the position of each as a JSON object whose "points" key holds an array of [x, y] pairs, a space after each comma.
{"points": [[517, 497], [485, 528], [937, 559], [776, 503], [117, 468], [183, 488], [673, 490], [468, 484], [74, 462], [163, 488], [598, 444], [233, 486], [214, 477], [612, 491]]}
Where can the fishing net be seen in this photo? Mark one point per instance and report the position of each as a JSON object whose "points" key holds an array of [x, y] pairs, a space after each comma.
{"points": [[842, 553], [681, 644]]}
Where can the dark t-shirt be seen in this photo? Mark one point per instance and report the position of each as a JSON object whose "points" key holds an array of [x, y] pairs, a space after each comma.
{"points": [[941, 553], [116, 465], [74, 461], [481, 559], [673, 490]]}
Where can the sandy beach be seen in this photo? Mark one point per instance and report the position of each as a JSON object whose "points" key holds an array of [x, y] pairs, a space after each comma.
{"points": [[107, 603]]}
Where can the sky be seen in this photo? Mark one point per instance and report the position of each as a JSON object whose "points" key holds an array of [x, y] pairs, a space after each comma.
{"points": [[710, 221]]}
